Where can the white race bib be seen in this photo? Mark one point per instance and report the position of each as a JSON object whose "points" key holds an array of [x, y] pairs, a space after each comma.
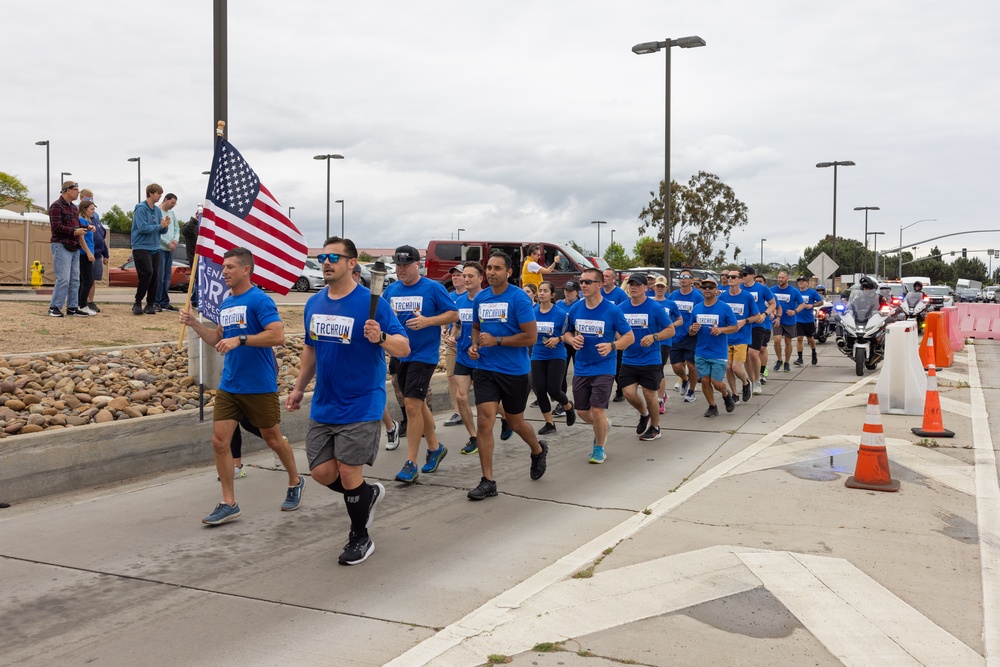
{"points": [[547, 328], [465, 315], [407, 304], [783, 297], [738, 308], [331, 328], [493, 312], [590, 327], [685, 305], [708, 319], [234, 316], [637, 320]]}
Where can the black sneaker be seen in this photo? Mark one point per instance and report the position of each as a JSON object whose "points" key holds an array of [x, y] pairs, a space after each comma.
{"points": [[558, 411], [486, 489], [730, 403], [157, 307], [150, 309], [798, 362], [93, 306], [713, 411], [538, 464], [505, 430], [763, 379], [137, 308], [619, 397], [641, 426], [814, 359], [548, 428], [402, 429], [357, 550], [570, 416], [652, 433], [787, 368], [76, 312], [747, 392], [471, 447], [777, 365], [169, 306], [55, 312]]}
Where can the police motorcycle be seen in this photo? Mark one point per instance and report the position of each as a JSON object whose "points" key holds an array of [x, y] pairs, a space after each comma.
{"points": [[915, 311], [861, 327], [826, 323]]}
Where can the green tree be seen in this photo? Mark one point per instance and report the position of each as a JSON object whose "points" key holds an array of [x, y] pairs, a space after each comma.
{"points": [[13, 191], [118, 220], [703, 212], [580, 249], [971, 268], [649, 252], [849, 255], [617, 257], [364, 257], [934, 267]]}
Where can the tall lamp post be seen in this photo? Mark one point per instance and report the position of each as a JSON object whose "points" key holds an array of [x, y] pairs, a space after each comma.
{"points": [[864, 256], [900, 276], [876, 235], [341, 202], [599, 223], [332, 156], [762, 254], [290, 209], [652, 47], [460, 230], [62, 177], [612, 238], [823, 165], [48, 177], [138, 166]]}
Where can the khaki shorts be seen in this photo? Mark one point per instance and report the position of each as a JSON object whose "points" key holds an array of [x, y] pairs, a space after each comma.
{"points": [[738, 353], [449, 360], [261, 410]]}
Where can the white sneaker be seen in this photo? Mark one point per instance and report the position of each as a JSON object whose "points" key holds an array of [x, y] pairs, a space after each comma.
{"points": [[86, 311], [690, 397], [239, 472], [677, 385], [392, 437], [756, 387]]}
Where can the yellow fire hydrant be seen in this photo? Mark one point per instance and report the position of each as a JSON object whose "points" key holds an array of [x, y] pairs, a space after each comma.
{"points": [[37, 271]]}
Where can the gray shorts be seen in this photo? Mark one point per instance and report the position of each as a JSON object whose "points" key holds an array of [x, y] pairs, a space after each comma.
{"points": [[352, 444], [785, 330]]}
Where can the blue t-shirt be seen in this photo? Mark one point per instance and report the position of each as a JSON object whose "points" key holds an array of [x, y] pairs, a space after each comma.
{"points": [[788, 298], [685, 304], [761, 295], [88, 237], [615, 296], [424, 297], [744, 307], [550, 325], [464, 342], [672, 314], [719, 314], [350, 371], [502, 315], [647, 318], [598, 325], [246, 369], [810, 296]]}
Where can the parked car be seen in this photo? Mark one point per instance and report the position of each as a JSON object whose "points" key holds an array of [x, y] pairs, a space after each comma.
{"points": [[970, 295], [990, 294], [311, 278], [126, 275]]}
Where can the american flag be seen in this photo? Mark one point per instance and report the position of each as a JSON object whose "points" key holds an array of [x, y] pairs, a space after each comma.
{"points": [[242, 213]]}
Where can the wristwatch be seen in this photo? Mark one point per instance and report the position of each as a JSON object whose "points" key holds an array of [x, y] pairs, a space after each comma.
{"points": [[381, 338], [656, 337], [243, 340], [500, 341]]}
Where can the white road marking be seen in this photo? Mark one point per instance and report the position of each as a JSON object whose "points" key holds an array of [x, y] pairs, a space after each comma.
{"points": [[988, 510], [955, 407]]}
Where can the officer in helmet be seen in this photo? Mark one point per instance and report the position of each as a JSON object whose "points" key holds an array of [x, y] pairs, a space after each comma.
{"points": [[914, 297]]}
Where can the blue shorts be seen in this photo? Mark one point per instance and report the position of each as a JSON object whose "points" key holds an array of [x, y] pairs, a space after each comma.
{"points": [[711, 368]]}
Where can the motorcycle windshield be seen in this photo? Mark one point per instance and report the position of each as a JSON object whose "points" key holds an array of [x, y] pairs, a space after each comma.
{"points": [[864, 304]]}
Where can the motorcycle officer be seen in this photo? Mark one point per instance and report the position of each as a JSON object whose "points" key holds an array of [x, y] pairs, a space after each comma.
{"points": [[914, 297]]}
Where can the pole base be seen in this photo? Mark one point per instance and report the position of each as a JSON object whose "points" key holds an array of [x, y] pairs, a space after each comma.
{"points": [[852, 483], [944, 433]]}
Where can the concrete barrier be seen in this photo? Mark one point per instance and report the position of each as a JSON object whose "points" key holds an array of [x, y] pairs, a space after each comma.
{"points": [[72, 459], [979, 320], [901, 385], [951, 324]]}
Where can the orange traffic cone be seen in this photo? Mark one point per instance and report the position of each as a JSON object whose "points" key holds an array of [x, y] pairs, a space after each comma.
{"points": [[872, 469], [927, 357], [933, 426]]}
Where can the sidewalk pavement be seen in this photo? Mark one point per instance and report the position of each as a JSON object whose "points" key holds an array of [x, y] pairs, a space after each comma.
{"points": [[731, 541]]}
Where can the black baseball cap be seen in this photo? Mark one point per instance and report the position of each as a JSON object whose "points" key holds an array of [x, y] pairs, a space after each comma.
{"points": [[406, 254], [748, 271], [637, 278], [572, 286]]}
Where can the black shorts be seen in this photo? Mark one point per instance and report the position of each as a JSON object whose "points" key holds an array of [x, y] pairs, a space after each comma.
{"points": [[685, 342], [760, 337], [679, 355], [415, 378], [807, 329], [462, 369], [647, 377], [509, 390], [664, 355]]}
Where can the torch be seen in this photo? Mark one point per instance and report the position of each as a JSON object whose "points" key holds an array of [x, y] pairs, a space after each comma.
{"points": [[376, 287]]}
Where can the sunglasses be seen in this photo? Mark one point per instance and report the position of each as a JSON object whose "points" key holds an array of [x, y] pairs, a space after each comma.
{"points": [[687, 277], [587, 281], [331, 257]]}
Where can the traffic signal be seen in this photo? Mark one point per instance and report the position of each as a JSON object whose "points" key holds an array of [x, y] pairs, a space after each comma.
{"points": [[964, 252]]}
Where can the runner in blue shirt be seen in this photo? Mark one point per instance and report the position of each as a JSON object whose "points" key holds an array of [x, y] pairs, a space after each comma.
{"points": [[458, 282], [472, 276], [712, 322], [744, 307], [503, 328], [660, 288], [423, 307], [760, 334], [548, 358], [616, 295], [682, 347], [789, 304], [642, 364], [596, 330], [805, 321], [345, 351]]}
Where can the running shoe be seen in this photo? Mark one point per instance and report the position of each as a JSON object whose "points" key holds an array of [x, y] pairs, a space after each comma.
{"points": [[713, 411], [663, 405], [814, 359], [392, 436], [558, 411], [137, 308], [434, 458], [86, 311], [538, 461], [534, 404], [787, 367], [678, 385], [640, 428], [408, 474], [239, 473], [76, 312], [471, 447], [548, 428], [93, 306], [55, 312], [293, 497], [763, 371], [730, 403], [777, 365], [763, 379], [357, 550], [150, 309], [756, 388], [652, 433], [747, 392], [402, 428], [798, 362], [505, 430], [454, 420], [619, 396], [736, 398], [690, 397], [486, 489], [222, 513], [685, 387], [598, 455], [378, 493], [571, 416]]}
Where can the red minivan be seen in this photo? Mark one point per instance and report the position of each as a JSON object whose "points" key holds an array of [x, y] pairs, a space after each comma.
{"points": [[443, 255]]}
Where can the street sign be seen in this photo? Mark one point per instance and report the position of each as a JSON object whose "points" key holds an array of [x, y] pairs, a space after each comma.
{"points": [[823, 267]]}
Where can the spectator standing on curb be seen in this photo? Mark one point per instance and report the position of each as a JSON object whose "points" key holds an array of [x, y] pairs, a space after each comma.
{"points": [[64, 219], [168, 242], [346, 411], [249, 328], [594, 326], [465, 366], [190, 233], [805, 321], [503, 328], [548, 359], [101, 253], [712, 322], [147, 226], [423, 307], [86, 257]]}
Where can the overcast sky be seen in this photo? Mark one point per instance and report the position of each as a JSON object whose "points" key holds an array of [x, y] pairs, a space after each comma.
{"points": [[524, 120]]}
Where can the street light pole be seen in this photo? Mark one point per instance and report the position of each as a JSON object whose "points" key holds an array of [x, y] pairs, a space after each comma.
{"points": [[328, 157], [48, 177], [762, 254], [290, 209], [900, 276], [341, 202], [612, 238], [864, 255], [138, 166], [62, 177], [599, 223], [876, 235], [652, 47], [823, 165], [460, 230]]}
